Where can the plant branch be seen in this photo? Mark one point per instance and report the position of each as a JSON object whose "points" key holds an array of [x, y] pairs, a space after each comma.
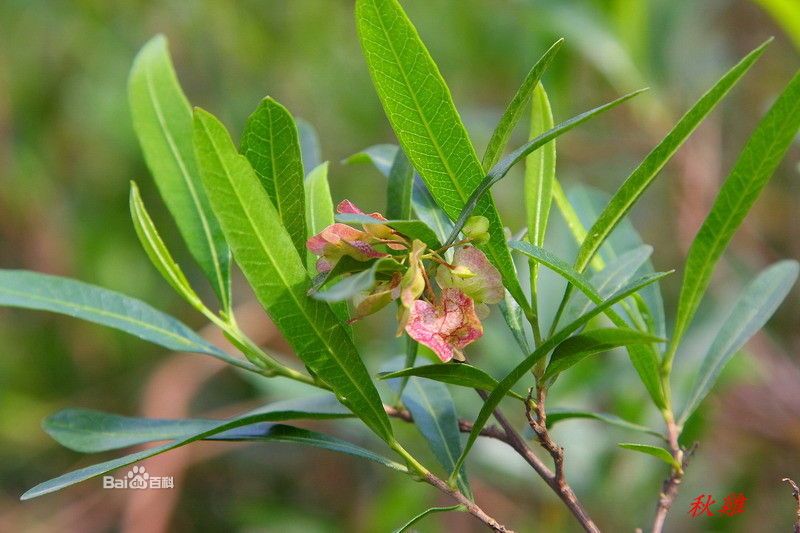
{"points": [[796, 494], [465, 426], [669, 490], [468, 504], [557, 481], [415, 468]]}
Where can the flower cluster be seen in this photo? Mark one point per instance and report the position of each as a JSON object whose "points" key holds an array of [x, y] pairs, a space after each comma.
{"points": [[440, 302]]}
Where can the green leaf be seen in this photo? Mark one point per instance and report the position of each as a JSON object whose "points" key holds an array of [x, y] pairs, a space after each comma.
{"points": [[558, 414], [318, 204], [270, 432], [655, 451], [589, 203], [540, 169], [434, 413], [643, 358], [421, 111], [641, 178], [380, 155], [271, 264], [427, 512], [751, 172], [512, 314], [398, 191], [354, 284], [156, 249], [573, 221], [412, 350], [319, 215], [575, 349], [760, 299], [460, 374], [512, 114], [500, 170], [517, 373], [162, 120], [540, 174], [413, 229], [32, 290], [89, 431], [309, 146], [270, 142], [609, 280], [427, 211]]}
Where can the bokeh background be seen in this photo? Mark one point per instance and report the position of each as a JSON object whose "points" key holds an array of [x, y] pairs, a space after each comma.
{"points": [[67, 153]]}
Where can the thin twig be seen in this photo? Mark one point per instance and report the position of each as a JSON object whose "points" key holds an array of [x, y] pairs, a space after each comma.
{"points": [[465, 426], [796, 494], [669, 490], [557, 480], [468, 504], [512, 438]]}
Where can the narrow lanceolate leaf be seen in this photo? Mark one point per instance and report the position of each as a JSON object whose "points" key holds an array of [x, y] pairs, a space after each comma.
{"points": [[162, 119], [588, 204], [309, 145], [156, 249], [32, 290], [425, 513], [270, 142], [515, 109], [540, 169], [268, 259], [429, 212], [641, 178], [575, 349], [609, 280], [319, 215], [461, 374], [399, 188], [511, 379], [751, 311], [268, 432], [573, 221], [643, 357], [434, 413], [512, 313], [558, 414], [756, 163], [654, 451], [500, 170], [88, 431], [540, 173], [319, 206], [421, 111]]}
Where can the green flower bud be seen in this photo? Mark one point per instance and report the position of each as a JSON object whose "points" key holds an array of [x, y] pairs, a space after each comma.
{"points": [[477, 229]]}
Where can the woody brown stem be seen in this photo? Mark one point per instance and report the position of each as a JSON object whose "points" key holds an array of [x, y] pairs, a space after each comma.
{"points": [[465, 426], [556, 480], [796, 494], [669, 490], [468, 504]]}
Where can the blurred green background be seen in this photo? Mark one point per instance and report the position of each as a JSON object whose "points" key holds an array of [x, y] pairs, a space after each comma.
{"points": [[67, 152]]}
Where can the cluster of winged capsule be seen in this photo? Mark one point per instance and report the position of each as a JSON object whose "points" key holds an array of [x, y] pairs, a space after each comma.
{"points": [[440, 301]]}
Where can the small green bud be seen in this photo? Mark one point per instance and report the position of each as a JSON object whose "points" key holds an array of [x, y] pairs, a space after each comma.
{"points": [[477, 229]]}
